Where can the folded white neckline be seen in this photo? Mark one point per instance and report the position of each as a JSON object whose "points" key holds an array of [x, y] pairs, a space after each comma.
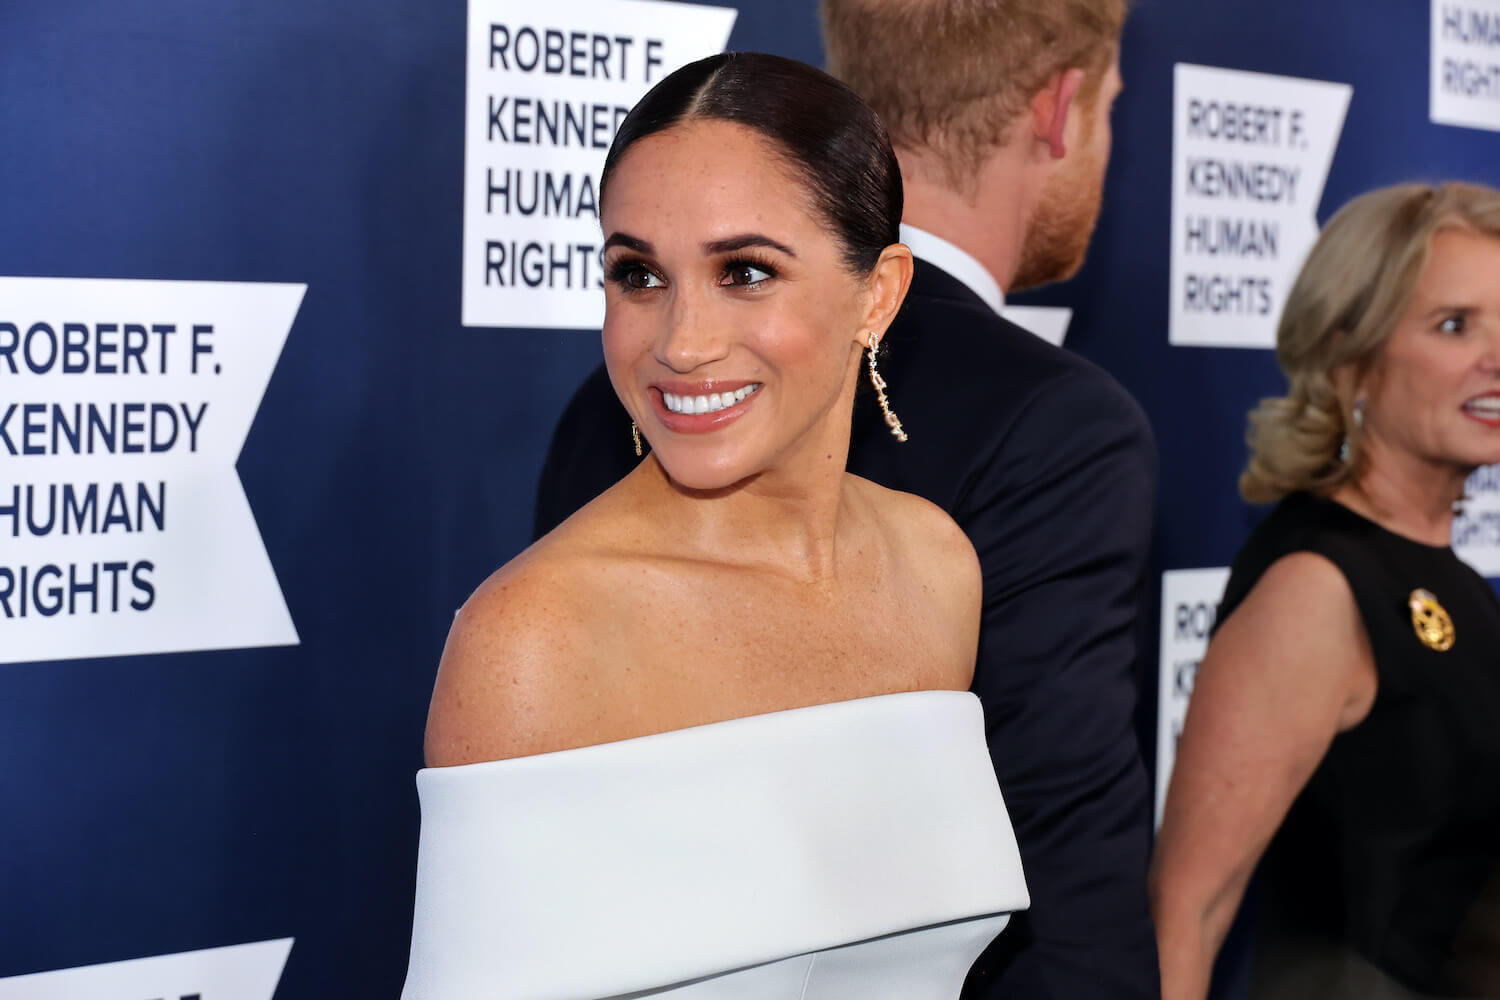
{"points": [[628, 865]]}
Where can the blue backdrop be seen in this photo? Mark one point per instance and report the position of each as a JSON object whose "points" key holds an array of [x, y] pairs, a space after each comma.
{"points": [[157, 804]]}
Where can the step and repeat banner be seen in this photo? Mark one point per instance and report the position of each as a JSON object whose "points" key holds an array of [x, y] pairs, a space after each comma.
{"points": [[291, 296]]}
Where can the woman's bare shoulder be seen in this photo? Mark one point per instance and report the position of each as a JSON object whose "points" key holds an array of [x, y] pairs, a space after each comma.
{"points": [[1298, 587], [924, 533], [1299, 629], [520, 655], [931, 553]]}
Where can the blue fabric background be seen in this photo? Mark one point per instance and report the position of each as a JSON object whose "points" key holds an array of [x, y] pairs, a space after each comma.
{"points": [[158, 804]]}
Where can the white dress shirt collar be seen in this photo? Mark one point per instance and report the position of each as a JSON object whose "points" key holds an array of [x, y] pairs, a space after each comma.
{"points": [[944, 255]]}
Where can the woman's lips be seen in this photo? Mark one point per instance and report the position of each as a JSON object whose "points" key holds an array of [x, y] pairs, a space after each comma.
{"points": [[699, 408], [1484, 409]]}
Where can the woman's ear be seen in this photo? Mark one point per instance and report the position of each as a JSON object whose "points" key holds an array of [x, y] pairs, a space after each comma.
{"points": [[1354, 380], [1345, 381], [885, 289]]}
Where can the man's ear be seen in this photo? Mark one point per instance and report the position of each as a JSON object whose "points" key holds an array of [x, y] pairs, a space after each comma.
{"points": [[1050, 108], [886, 289]]}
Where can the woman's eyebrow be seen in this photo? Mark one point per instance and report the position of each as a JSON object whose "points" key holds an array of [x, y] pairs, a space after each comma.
{"points": [[727, 245], [627, 241], [1447, 307], [734, 243]]}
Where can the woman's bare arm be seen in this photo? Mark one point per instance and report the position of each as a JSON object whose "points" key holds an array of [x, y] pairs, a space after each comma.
{"points": [[1287, 671]]}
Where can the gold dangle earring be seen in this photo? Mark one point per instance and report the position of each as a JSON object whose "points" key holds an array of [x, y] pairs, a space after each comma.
{"points": [[635, 435], [891, 420]]}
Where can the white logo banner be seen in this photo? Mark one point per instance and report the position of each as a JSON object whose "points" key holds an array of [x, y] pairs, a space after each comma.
{"points": [[1189, 603], [1465, 86], [239, 972], [547, 89], [123, 407], [1048, 322], [1476, 531], [1251, 154]]}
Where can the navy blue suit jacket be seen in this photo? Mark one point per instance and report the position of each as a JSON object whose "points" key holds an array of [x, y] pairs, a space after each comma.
{"points": [[1049, 467]]}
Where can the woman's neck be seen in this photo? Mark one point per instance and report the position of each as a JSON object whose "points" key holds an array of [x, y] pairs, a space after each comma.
{"points": [[1407, 495], [788, 519]]}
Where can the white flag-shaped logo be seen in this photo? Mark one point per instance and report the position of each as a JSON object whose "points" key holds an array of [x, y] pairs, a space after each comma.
{"points": [[548, 85], [123, 407], [239, 972], [1251, 153]]}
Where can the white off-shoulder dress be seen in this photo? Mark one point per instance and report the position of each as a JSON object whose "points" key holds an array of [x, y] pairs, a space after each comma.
{"points": [[852, 851]]}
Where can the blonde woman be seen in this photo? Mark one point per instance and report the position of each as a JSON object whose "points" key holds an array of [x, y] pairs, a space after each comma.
{"points": [[1344, 734]]}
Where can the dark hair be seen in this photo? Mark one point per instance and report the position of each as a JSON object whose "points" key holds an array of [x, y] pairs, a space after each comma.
{"points": [[821, 127]]}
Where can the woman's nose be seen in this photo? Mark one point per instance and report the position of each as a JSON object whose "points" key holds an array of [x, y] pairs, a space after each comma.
{"points": [[690, 336], [1489, 358]]}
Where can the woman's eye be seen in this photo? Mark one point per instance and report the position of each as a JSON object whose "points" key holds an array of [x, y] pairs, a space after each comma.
{"points": [[745, 274], [639, 277], [1453, 324]]}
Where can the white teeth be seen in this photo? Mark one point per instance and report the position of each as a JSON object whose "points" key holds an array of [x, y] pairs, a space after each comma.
{"points": [[712, 403]]}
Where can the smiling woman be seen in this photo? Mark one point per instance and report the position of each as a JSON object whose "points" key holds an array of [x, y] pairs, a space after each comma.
{"points": [[738, 287], [1341, 739], [789, 243], [658, 736]]}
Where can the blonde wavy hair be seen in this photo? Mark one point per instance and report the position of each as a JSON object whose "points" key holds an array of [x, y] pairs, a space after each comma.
{"points": [[1349, 296]]}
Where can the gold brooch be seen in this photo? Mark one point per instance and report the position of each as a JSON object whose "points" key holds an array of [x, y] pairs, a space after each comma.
{"points": [[1430, 621]]}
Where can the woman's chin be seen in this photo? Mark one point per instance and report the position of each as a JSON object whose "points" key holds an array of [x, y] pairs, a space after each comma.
{"points": [[704, 477], [1477, 454]]}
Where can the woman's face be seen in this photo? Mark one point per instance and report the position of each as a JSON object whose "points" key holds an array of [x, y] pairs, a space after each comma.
{"points": [[1434, 393], [732, 323]]}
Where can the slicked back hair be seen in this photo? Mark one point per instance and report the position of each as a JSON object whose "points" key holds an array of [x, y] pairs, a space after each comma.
{"points": [[818, 125]]}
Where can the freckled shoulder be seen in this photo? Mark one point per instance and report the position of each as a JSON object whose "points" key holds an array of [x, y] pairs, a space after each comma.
{"points": [[935, 555], [518, 663]]}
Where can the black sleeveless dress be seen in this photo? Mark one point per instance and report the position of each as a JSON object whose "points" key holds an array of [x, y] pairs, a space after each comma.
{"points": [[1384, 880]]}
